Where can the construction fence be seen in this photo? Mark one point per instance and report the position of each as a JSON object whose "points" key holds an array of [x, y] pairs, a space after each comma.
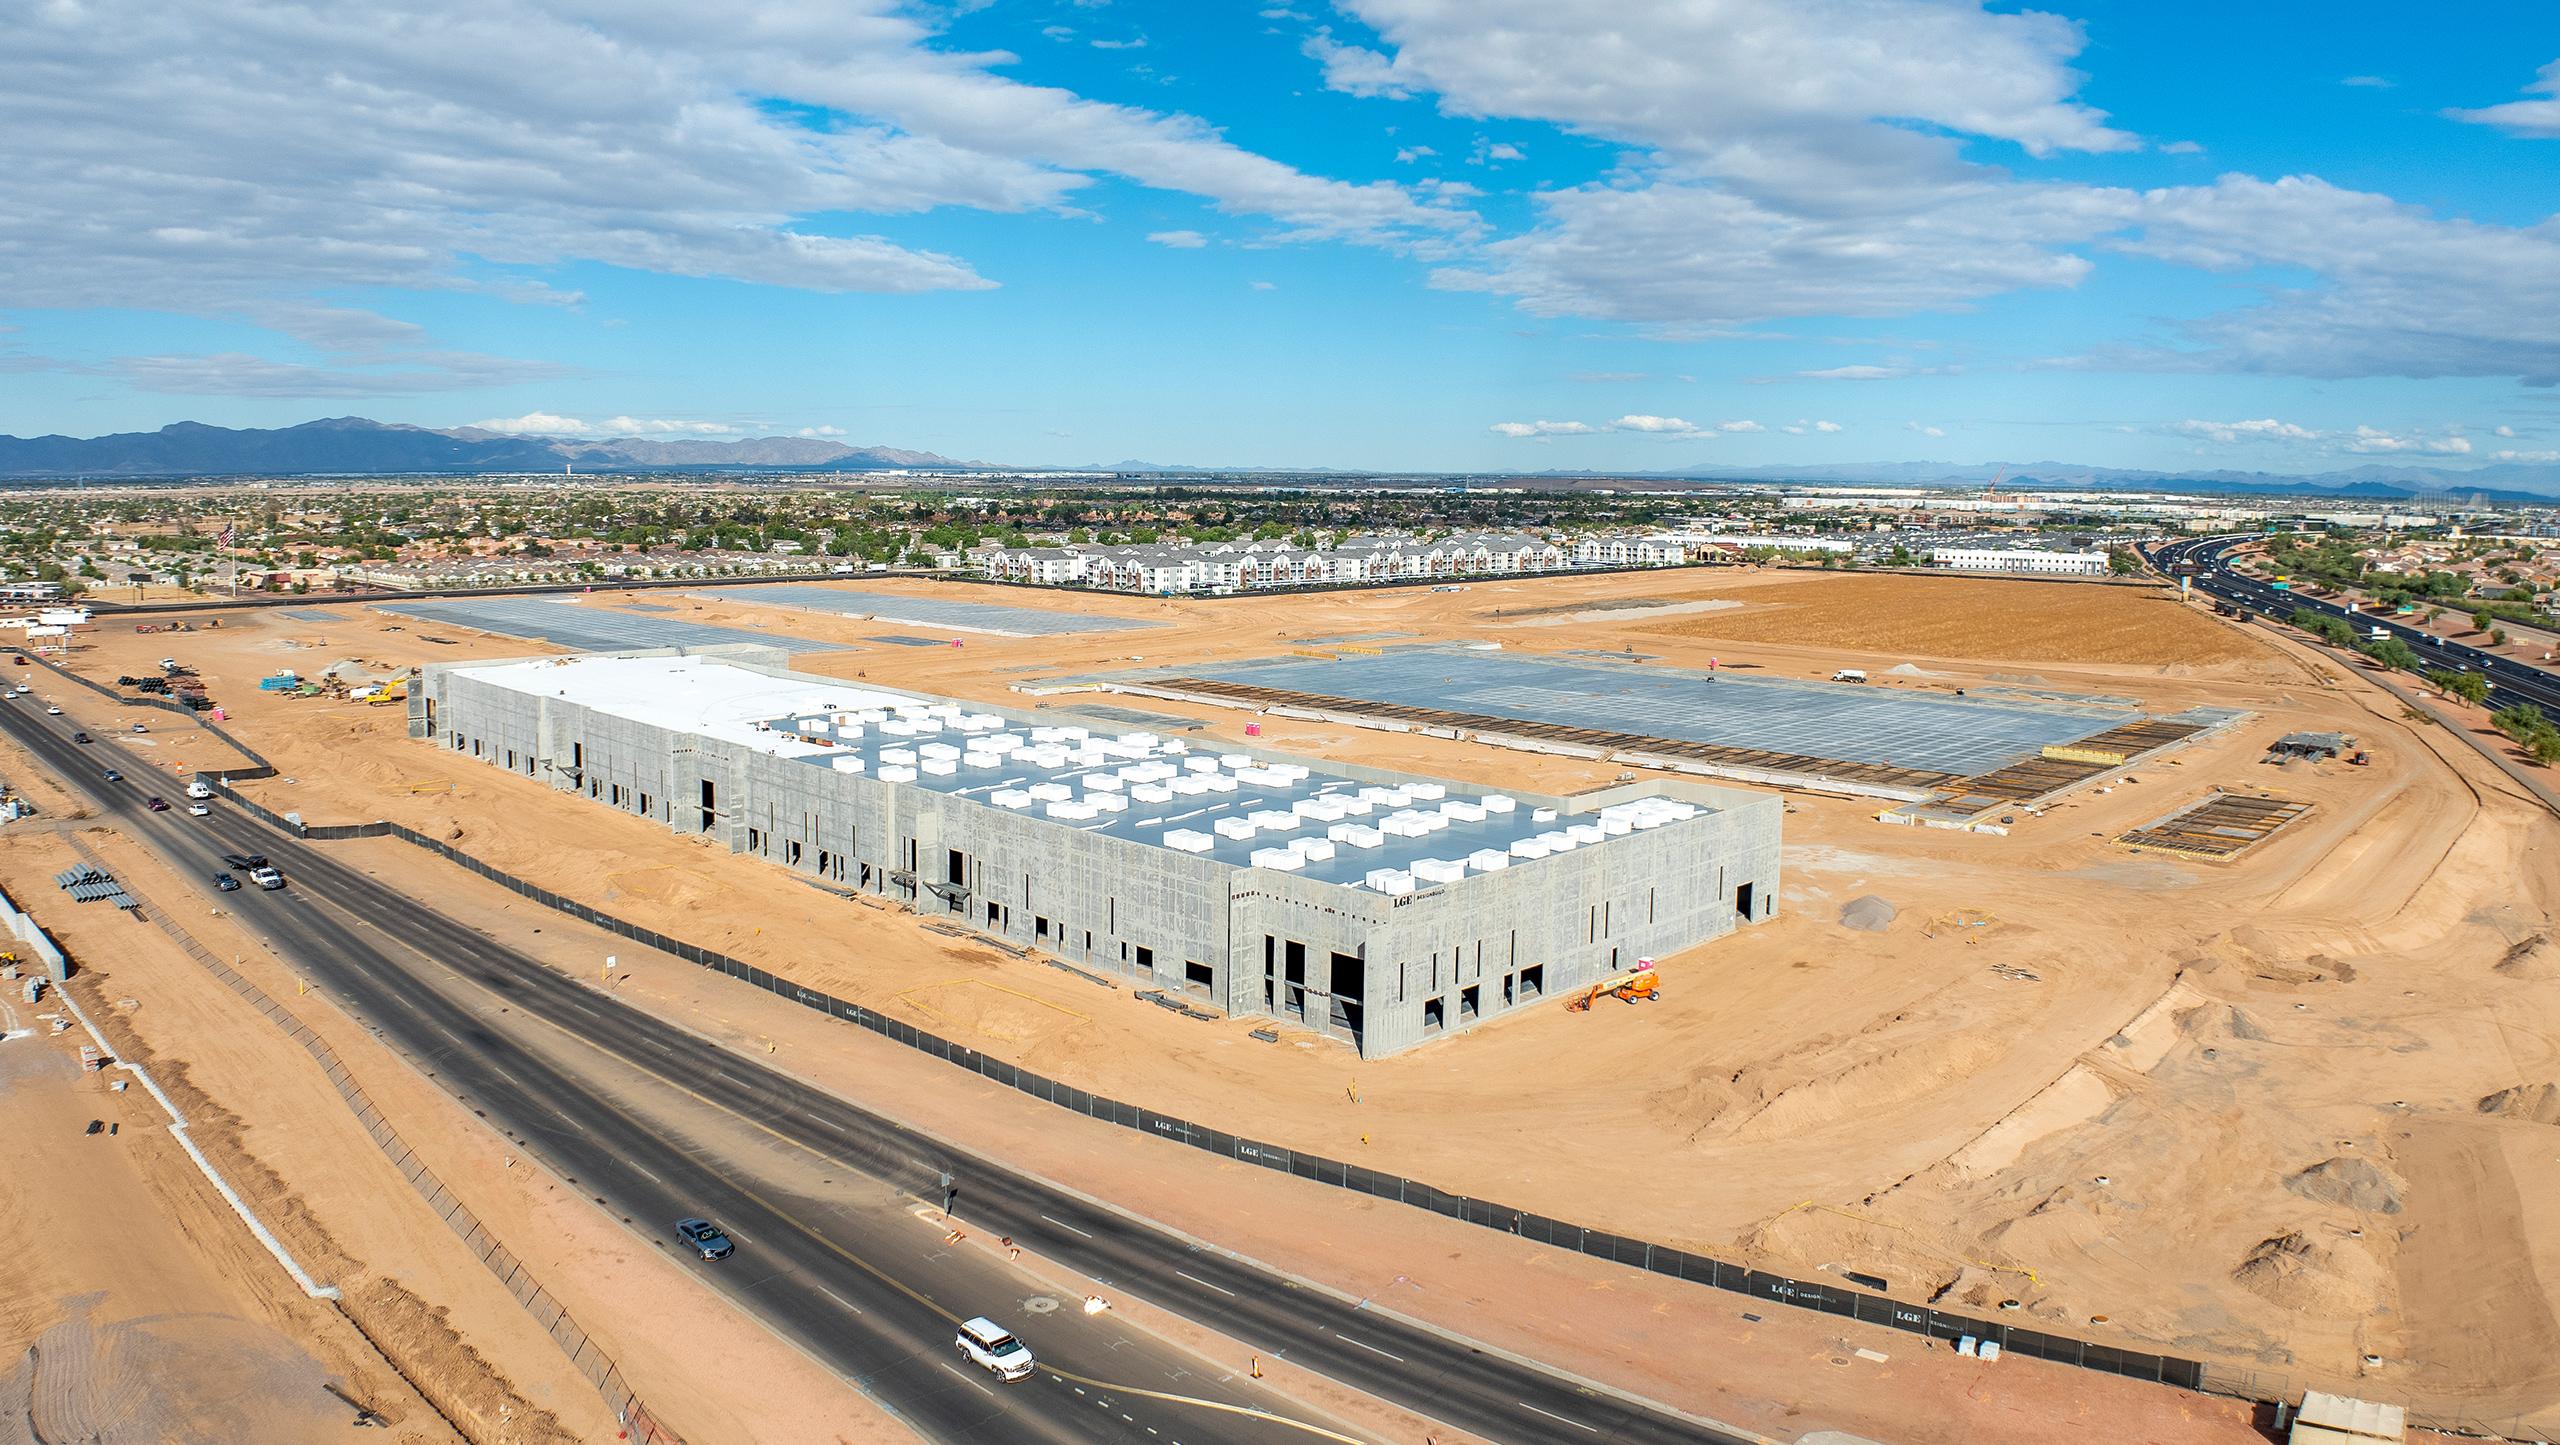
{"points": [[584, 1354], [1828, 1298]]}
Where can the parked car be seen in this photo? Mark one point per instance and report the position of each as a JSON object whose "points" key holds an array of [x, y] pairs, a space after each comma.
{"points": [[991, 1345], [141, 727], [226, 883], [704, 1238], [198, 810], [266, 878], [159, 805]]}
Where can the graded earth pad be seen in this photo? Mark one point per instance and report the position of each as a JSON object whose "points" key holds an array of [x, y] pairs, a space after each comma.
{"points": [[1980, 618], [2067, 1074]]}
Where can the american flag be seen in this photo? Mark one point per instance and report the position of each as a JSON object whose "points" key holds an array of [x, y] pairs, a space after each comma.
{"points": [[227, 536]]}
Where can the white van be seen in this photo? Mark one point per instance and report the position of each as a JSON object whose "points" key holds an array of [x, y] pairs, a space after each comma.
{"points": [[1848, 674], [199, 788], [991, 1345]]}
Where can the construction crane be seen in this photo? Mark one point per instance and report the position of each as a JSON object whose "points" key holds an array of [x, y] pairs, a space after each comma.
{"points": [[1646, 986]]}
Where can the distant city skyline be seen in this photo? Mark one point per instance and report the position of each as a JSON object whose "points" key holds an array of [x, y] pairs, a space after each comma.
{"points": [[1388, 234]]}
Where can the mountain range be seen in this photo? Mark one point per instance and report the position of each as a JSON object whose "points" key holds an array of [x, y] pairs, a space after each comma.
{"points": [[349, 445], [352, 444]]}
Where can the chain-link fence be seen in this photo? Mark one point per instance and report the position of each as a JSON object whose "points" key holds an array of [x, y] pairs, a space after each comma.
{"points": [[1832, 1298], [589, 1360]]}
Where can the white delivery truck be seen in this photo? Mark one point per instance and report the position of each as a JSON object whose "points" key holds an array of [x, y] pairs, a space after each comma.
{"points": [[1848, 674]]}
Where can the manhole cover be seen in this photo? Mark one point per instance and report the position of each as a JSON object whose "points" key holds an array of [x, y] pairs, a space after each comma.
{"points": [[1040, 1304]]}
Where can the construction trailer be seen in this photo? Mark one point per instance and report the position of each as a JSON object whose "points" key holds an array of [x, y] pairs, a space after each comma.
{"points": [[1380, 908]]}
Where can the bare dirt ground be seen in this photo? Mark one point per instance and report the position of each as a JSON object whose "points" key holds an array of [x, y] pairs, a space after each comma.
{"points": [[1978, 618], [2227, 1110]]}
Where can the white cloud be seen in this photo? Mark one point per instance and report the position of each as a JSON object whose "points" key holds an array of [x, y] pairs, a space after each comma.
{"points": [[1740, 426], [1179, 240], [2536, 118], [1608, 376], [2362, 440], [2182, 148], [2524, 456], [1542, 429], [2506, 431], [543, 423], [822, 431], [1262, 286], [1926, 431], [1828, 426], [1138, 44], [1415, 153], [2374, 81], [1857, 373], [1503, 151], [1057, 32], [2406, 294], [2267, 429], [222, 157], [1668, 425], [2370, 440], [1807, 160]]}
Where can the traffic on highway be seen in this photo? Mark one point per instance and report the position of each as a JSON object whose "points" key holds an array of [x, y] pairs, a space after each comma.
{"points": [[829, 1212], [2510, 682]]}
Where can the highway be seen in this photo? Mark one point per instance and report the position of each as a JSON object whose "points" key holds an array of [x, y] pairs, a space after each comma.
{"points": [[653, 1123], [2510, 682]]}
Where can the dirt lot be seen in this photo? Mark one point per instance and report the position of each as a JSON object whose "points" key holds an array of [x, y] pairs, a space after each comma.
{"points": [[2225, 1110], [1977, 618]]}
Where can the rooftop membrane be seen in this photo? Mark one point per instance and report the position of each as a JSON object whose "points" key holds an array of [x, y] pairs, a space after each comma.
{"points": [[590, 626], [1861, 723], [1234, 808]]}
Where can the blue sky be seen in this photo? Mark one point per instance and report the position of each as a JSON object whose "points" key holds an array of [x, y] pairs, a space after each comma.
{"points": [[1504, 235]]}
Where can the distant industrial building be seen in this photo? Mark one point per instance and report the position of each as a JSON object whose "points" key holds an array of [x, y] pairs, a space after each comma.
{"points": [[2021, 559], [1376, 907]]}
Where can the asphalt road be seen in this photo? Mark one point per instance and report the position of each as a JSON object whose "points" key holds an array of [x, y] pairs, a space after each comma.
{"points": [[2510, 682], [653, 1123]]}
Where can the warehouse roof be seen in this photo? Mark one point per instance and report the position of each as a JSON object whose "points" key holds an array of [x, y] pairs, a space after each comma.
{"points": [[1232, 807]]}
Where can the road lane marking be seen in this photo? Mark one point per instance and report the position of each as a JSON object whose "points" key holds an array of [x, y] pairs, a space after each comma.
{"points": [[1372, 1349], [1525, 1405], [1255, 1411], [839, 1299], [972, 1384], [644, 1171], [1062, 1224], [830, 1123], [1204, 1284]]}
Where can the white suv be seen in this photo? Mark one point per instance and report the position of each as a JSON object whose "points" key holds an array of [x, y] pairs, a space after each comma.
{"points": [[987, 1342]]}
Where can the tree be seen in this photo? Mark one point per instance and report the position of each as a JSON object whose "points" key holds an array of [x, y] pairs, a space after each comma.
{"points": [[2123, 561], [2520, 722], [2471, 687], [2497, 637], [1901, 556], [2480, 620], [2545, 748]]}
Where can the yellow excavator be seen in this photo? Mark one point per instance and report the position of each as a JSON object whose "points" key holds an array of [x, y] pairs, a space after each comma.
{"points": [[1646, 986]]}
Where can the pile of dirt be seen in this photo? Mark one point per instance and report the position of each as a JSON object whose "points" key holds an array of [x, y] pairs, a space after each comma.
{"points": [[2292, 1272], [468, 1388], [2350, 1183], [1868, 915], [2533, 1103]]}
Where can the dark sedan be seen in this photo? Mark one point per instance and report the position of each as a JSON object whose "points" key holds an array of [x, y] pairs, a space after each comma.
{"points": [[226, 883]]}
